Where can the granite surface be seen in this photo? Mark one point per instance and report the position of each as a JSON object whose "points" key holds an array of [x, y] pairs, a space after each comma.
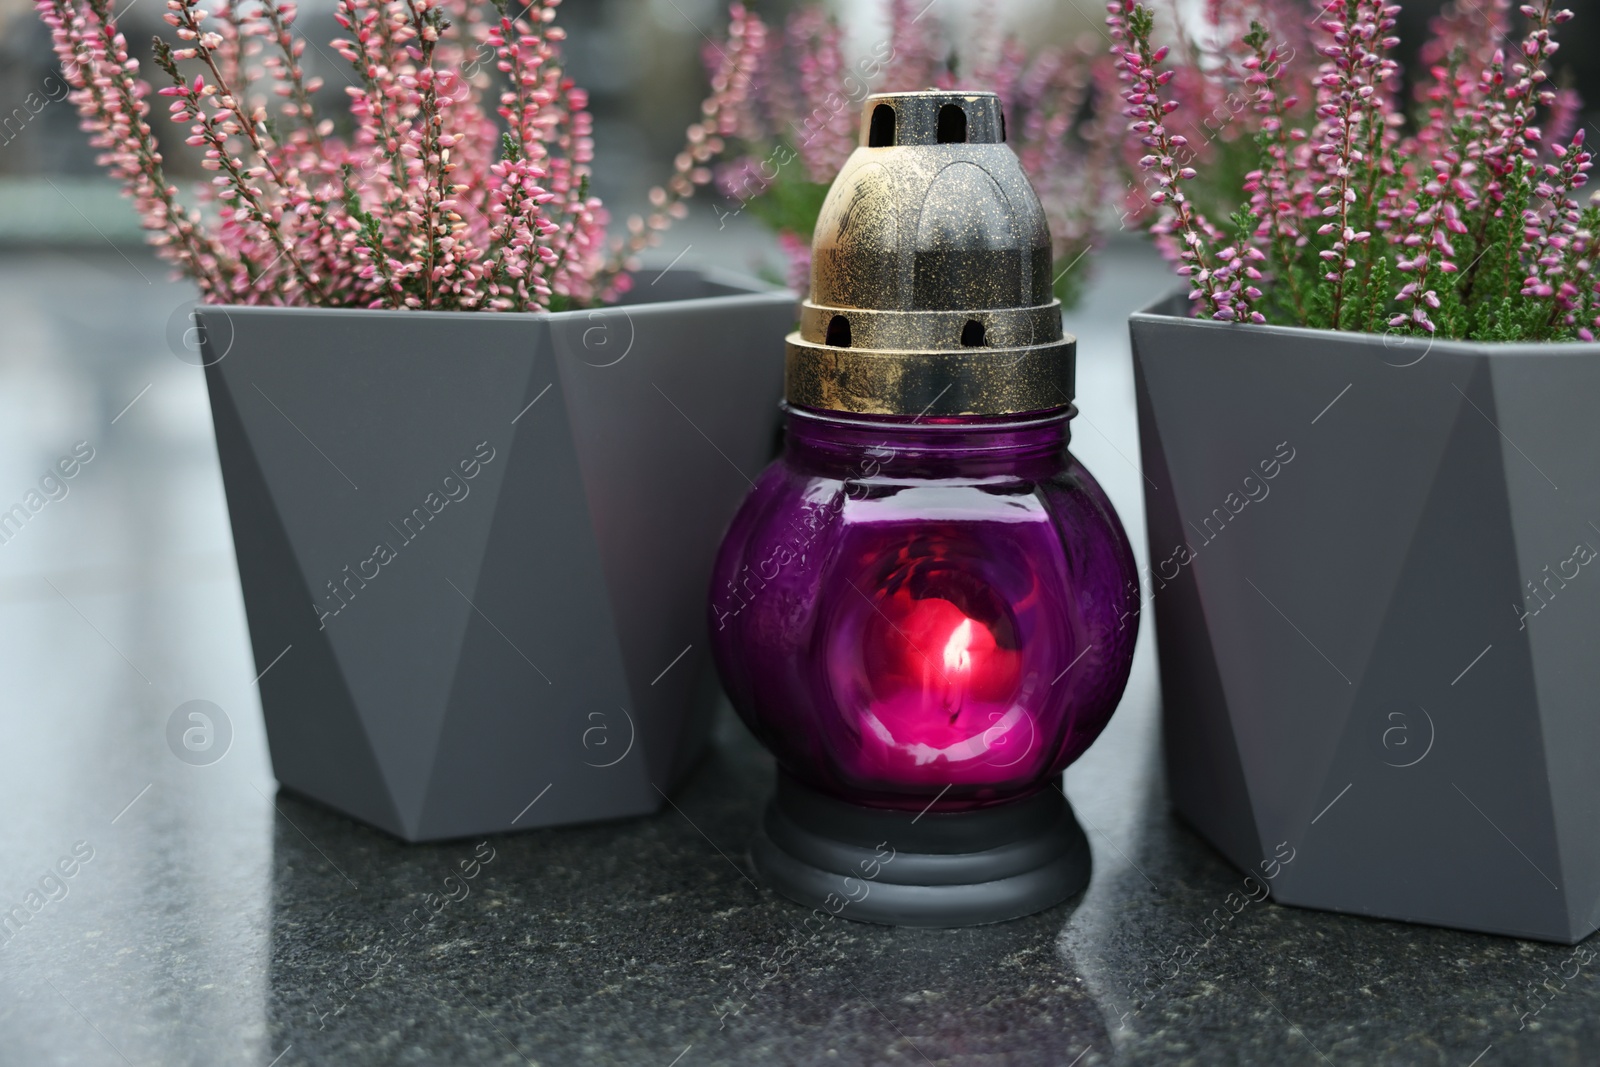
{"points": [[211, 919]]}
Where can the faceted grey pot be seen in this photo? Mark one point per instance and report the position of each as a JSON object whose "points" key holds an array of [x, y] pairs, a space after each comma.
{"points": [[474, 547], [1376, 587]]}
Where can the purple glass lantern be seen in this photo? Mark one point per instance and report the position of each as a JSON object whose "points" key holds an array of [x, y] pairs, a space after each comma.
{"points": [[926, 608]]}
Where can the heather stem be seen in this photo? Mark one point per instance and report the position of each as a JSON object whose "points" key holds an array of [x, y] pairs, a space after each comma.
{"points": [[214, 133], [230, 96], [125, 110], [432, 154], [1149, 110], [1351, 99], [1273, 179], [293, 73]]}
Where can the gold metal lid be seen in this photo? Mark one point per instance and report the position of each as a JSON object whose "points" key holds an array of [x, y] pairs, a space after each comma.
{"points": [[931, 272]]}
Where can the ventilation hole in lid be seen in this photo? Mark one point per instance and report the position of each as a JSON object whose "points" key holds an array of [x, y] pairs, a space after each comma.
{"points": [[972, 334], [952, 128], [881, 133], [838, 332]]}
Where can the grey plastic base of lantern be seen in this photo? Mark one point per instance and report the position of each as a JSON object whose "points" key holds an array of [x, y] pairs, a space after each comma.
{"points": [[932, 870]]}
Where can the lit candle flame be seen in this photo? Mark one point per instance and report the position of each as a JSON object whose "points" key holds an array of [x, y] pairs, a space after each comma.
{"points": [[957, 660], [958, 650]]}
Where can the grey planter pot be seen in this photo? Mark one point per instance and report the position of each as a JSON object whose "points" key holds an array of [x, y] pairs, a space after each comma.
{"points": [[474, 548], [1380, 661]]}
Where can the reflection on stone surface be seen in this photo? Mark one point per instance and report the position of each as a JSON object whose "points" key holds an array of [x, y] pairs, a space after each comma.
{"points": [[627, 942]]}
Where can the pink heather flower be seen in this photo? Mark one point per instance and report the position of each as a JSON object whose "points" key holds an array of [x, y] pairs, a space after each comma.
{"points": [[1354, 102], [1273, 189], [1549, 229], [1213, 276], [1341, 197], [423, 204], [1513, 102]]}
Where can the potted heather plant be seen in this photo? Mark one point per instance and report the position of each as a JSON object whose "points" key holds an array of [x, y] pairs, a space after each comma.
{"points": [[474, 501], [1369, 436], [781, 141]]}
